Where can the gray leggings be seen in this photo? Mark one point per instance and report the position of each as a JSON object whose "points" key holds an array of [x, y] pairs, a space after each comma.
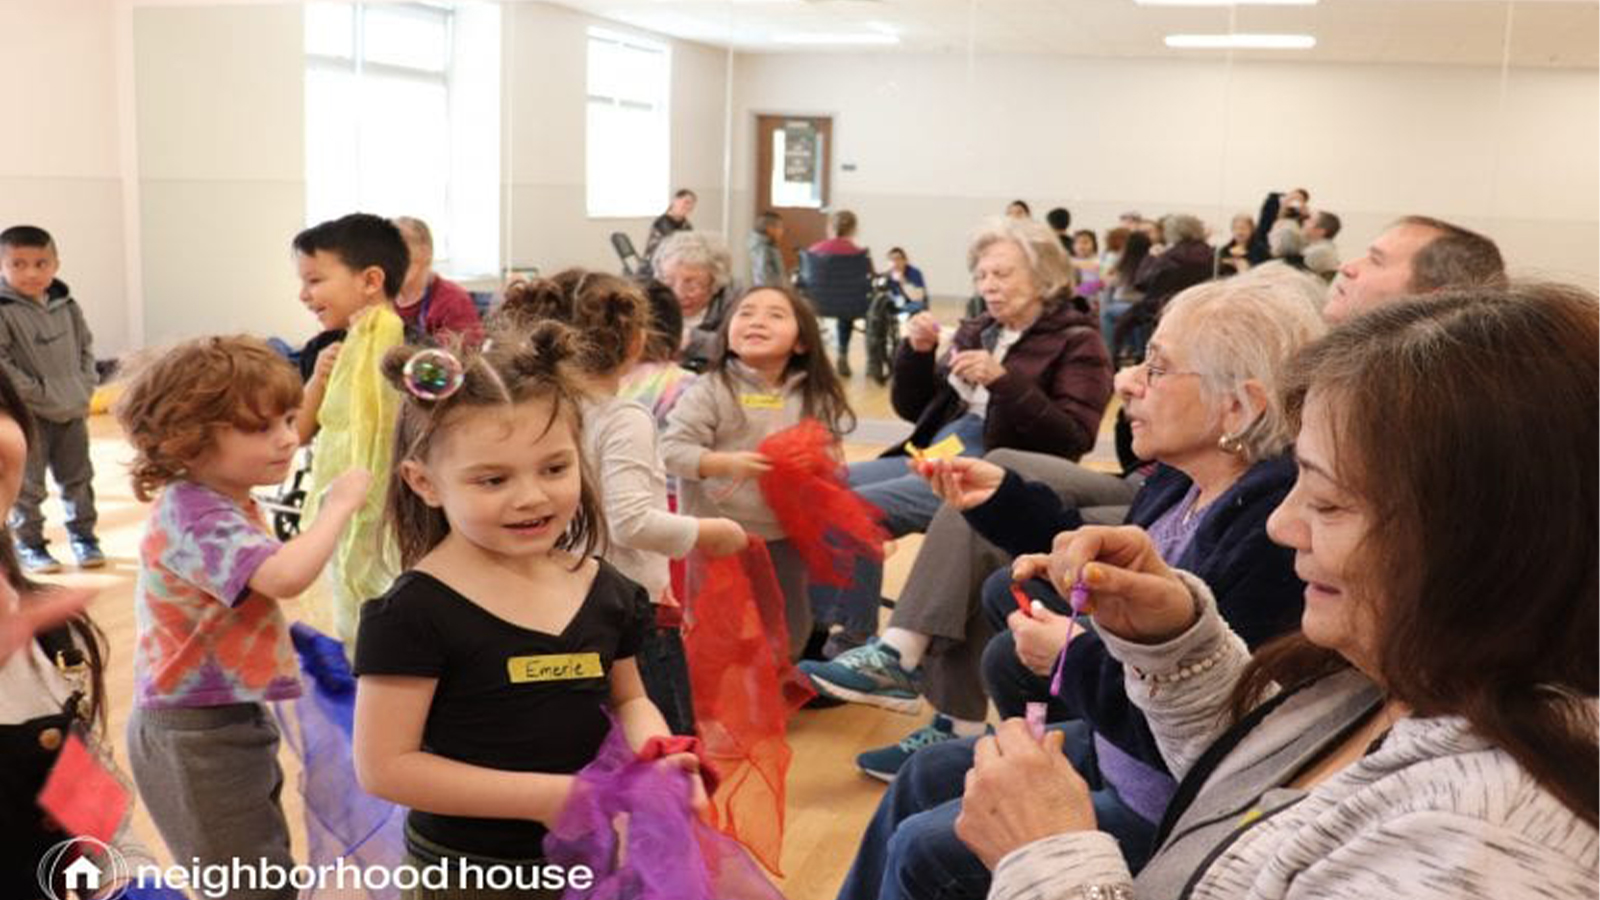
{"points": [[209, 776]]}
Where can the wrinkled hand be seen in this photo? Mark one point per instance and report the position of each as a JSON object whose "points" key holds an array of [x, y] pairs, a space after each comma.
{"points": [[1132, 592], [961, 481], [976, 367], [1039, 637], [1020, 790], [721, 537], [922, 332]]}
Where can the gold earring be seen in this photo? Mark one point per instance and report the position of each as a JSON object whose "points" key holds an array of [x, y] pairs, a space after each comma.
{"points": [[1231, 444]]}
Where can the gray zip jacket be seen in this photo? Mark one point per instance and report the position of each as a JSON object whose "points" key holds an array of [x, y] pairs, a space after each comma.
{"points": [[1434, 812], [47, 351], [709, 416]]}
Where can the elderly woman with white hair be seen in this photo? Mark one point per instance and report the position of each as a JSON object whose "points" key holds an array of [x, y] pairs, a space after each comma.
{"points": [[1029, 372], [1205, 403], [697, 268]]}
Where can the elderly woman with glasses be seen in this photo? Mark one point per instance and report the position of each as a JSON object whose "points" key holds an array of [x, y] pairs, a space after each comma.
{"points": [[1395, 745], [1029, 372], [697, 269], [1205, 404]]}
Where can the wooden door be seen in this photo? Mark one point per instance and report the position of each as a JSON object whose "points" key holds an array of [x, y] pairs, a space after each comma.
{"points": [[794, 163]]}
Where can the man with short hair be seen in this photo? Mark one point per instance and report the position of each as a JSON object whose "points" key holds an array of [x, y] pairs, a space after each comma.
{"points": [[1415, 255], [1320, 255]]}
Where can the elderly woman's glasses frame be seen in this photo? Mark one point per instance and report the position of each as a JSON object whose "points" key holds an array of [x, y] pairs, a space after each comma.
{"points": [[1149, 372]]}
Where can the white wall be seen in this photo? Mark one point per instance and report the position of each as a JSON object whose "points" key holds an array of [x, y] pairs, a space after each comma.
{"points": [[220, 101], [59, 161], [938, 145], [545, 52]]}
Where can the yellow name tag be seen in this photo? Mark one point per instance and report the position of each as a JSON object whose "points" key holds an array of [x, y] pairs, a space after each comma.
{"points": [[761, 401], [555, 667], [945, 449]]}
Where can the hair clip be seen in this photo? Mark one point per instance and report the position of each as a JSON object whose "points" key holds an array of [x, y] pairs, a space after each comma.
{"points": [[433, 374]]}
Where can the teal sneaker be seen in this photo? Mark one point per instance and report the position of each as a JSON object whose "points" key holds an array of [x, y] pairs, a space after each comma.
{"points": [[869, 674], [884, 763]]}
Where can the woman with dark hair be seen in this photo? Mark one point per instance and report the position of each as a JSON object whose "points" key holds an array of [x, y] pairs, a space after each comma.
{"points": [[1121, 295], [1430, 732]]}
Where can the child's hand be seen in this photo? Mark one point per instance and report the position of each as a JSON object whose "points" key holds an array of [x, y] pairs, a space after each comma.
{"points": [[348, 491], [21, 619], [325, 362], [698, 801], [721, 537], [738, 465]]}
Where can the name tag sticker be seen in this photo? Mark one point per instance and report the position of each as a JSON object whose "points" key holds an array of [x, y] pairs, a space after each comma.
{"points": [[555, 667], [761, 401], [945, 449]]}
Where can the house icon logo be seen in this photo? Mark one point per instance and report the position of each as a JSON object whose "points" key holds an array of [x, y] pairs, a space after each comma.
{"points": [[81, 866]]}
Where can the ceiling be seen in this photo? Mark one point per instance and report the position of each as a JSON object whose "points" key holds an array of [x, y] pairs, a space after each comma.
{"points": [[1546, 33]]}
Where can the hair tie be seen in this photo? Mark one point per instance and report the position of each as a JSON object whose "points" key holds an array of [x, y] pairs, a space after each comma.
{"points": [[433, 374]]}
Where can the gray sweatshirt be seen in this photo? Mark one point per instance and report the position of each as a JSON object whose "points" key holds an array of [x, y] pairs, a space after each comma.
{"points": [[619, 439], [46, 349], [710, 416], [1435, 813]]}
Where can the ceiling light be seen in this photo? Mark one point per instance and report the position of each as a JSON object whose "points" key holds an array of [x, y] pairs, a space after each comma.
{"points": [[1241, 41], [1225, 2], [819, 38]]}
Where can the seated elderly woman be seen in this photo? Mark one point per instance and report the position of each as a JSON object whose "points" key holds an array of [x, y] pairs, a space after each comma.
{"points": [[696, 267], [1029, 372], [1430, 732], [1205, 405]]}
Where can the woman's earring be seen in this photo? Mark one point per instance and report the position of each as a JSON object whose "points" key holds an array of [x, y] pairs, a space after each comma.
{"points": [[1231, 444]]}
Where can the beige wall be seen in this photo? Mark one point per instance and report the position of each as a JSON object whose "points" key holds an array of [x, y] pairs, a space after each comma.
{"points": [[221, 147], [937, 145], [60, 167], [544, 55]]}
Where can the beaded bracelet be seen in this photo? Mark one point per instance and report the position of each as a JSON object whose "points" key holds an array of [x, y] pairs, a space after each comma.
{"points": [[1122, 891], [1185, 672]]}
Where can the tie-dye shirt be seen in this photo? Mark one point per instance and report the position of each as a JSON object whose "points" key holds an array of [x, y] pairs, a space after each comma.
{"points": [[206, 638]]}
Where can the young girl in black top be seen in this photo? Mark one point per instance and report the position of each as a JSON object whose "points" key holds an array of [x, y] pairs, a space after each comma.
{"points": [[487, 671]]}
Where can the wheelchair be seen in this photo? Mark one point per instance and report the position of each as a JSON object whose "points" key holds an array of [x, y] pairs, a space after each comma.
{"points": [[844, 288], [285, 504]]}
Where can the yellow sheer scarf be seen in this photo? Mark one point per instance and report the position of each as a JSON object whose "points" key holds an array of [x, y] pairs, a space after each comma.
{"points": [[356, 430]]}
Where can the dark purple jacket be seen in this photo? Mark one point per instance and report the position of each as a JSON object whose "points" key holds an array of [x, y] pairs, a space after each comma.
{"points": [[1051, 399], [1184, 264]]}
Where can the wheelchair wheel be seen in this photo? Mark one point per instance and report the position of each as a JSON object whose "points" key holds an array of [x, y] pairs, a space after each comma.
{"points": [[286, 514]]}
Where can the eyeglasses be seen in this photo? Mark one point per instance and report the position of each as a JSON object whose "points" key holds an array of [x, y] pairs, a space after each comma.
{"points": [[1149, 372]]}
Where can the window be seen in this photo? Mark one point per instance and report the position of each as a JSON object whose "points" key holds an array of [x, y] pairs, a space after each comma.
{"points": [[390, 127], [627, 150]]}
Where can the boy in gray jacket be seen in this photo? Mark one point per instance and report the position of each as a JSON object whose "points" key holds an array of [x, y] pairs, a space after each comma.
{"points": [[45, 351]]}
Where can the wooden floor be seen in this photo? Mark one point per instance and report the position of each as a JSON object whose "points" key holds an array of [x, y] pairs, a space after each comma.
{"points": [[829, 801]]}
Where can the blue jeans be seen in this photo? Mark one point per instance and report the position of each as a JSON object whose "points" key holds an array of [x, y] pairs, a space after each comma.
{"points": [[910, 848], [664, 669], [908, 506]]}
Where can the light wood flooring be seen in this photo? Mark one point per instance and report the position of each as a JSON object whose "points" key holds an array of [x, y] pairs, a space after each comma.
{"points": [[829, 801]]}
